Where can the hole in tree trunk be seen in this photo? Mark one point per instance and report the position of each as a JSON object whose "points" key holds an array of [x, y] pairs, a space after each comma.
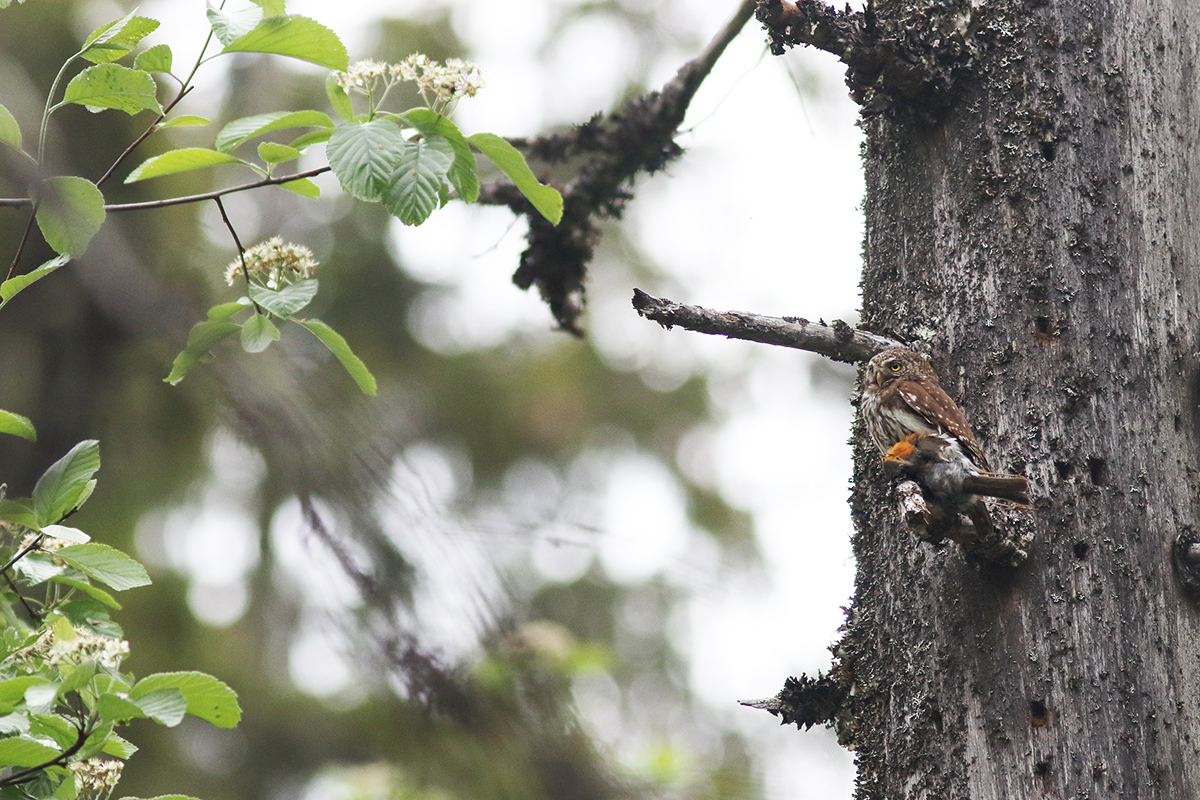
{"points": [[1098, 469]]}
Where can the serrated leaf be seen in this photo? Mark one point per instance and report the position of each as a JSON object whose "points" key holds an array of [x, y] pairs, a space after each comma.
{"points": [[273, 153], [186, 121], [258, 333], [93, 591], [38, 567], [228, 26], [66, 533], [154, 59], [166, 705], [341, 350], [17, 425], [545, 199], [53, 727], [18, 511], [365, 155], [414, 192], [200, 340], [303, 187], [12, 286], [462, 173], [114, 708], [245, 128], [70, 211], [110, 42], [40, 698], [61, 486], [286, 301], [19, 751], [339, 100], [181, 160], [10, 131], [91, 615], [207, 698], [296, 37], [113, 86], [118, 746], [105, 564]]}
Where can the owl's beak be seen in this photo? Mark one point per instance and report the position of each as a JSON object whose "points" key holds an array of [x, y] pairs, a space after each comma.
{"points": [[878, 377]]}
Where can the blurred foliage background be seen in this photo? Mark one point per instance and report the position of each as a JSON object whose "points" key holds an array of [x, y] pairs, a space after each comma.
{"points": [[446, 618]]}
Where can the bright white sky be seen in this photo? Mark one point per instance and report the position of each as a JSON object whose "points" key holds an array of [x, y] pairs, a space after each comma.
{"points": [[762, 214]]}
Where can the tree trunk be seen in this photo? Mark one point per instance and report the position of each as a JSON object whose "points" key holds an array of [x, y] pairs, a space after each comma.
{"points": [[1042, 236]]}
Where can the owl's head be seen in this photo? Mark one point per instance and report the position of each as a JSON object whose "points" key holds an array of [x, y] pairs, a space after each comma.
{"points": [[898, 364]]}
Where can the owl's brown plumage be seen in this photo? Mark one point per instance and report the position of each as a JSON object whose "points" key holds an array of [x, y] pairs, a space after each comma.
{"points": [[901, 395]]}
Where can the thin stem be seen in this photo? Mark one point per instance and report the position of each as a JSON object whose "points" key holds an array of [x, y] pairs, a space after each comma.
{"points": [[24, 238], [33, 615], [213, 195], [33, 545], [241, 251], [153, 125], [41, 151]]}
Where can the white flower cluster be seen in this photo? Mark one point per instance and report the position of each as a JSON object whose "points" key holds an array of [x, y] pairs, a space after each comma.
{"points": [[274, 264], [96, 774], [85, 646], [440, 84]]}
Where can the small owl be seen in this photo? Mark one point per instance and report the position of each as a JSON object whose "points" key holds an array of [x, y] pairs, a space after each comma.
{"points": [[901, 395]]}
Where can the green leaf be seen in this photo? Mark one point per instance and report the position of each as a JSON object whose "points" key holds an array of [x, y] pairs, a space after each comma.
{"points": [[10, 131], [182, 160], [365, 155], [312, 137], [110, 42], [296, 37], [337, 345], [338, 99], [38, 567], [545, 199], [186, 121], [154, 59], [200, 340], [70, 211], [245, 128], [18, 511], [166, 705], [61, 487], [19, 751], [271, 8], [228, 26], [462, 173], [272, 153], [207, 698], [258, 333], [413, 194], [17, 425], [113, 86], [163, 797], [90, 615], [286, 301], [114, 708], [117, 746], [303, 187], [87, 588], [66, 533], [53, 727], [105, 564], [10, 287], [12, 691], [223, 311]]}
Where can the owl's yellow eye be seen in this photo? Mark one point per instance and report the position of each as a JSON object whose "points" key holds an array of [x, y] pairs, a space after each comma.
{"points": [[895, 366]]}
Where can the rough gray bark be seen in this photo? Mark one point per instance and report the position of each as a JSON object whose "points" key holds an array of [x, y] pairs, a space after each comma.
{"points": [[1041, 236]]}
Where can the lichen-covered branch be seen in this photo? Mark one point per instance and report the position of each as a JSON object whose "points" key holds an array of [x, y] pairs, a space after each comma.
{"points": [[806, 701], [640, 138], [838, 340], [913, 60]]}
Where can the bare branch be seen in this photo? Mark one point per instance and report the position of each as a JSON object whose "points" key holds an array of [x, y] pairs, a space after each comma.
{"points": [[838, 341]]}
